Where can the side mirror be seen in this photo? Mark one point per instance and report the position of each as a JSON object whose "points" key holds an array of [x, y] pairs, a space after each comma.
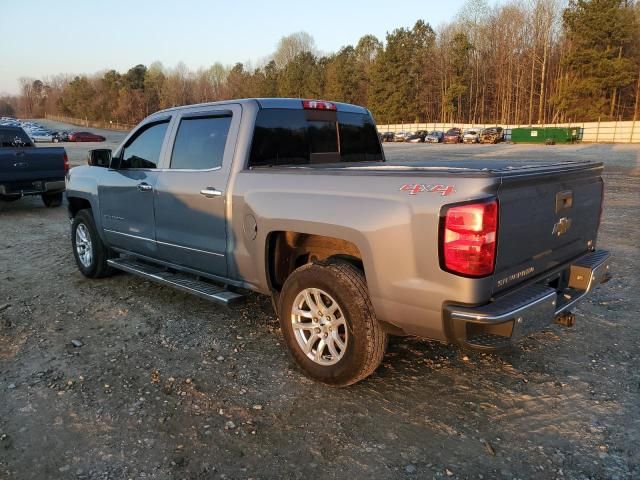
{"points": [[99, 157]]}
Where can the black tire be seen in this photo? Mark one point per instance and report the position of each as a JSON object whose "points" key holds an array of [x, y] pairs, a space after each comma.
{"points": [[367, 340], [98, 266], [51, 200]]}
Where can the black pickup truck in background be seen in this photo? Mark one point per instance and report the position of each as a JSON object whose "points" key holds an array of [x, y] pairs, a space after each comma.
{"points": [[27, 170]]}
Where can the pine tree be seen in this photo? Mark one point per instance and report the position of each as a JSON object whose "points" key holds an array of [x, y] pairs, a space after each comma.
{"points": [[599, 33]]}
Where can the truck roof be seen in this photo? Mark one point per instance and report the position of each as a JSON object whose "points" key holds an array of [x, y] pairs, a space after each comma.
{"points": [[281, 103]]}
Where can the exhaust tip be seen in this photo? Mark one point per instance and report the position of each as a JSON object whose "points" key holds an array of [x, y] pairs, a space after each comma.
{"points": [[566, 319]]}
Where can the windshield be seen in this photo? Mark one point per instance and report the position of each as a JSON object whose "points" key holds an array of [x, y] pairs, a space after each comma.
{"points": [[300, 137]]}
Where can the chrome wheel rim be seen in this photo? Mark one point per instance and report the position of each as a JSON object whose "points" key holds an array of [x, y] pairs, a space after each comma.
{"points": [[84, 248], [319, 326]]}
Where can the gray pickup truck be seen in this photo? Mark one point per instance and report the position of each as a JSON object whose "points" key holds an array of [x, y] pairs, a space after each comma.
{"points": [[27, 170], [294, 199]]}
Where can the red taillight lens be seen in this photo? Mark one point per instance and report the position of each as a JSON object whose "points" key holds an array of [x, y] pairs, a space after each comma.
{"points": [[468, 239], [66, 162], [318, 105]]}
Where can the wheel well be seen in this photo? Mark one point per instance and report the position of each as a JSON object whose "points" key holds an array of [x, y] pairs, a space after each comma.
{"points": [[288, 250], [76, 204]]}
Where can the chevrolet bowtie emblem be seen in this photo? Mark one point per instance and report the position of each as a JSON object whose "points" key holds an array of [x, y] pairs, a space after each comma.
{"points": [[562, 226]]}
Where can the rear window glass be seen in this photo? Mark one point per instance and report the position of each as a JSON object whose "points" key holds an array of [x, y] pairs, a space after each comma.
{"points": [[13, 137], [300, 137], [200, 142]]}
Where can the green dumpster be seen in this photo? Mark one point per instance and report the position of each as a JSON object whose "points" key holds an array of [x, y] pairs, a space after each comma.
{"points": [[545, 135]]}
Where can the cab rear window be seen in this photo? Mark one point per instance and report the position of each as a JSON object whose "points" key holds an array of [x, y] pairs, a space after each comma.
{"points": [[302, 137]]}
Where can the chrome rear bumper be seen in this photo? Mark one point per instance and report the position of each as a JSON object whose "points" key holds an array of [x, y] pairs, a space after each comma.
{"points": [[527, 309]]}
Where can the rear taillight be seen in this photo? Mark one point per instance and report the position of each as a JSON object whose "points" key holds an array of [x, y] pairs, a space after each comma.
{"points": [[66, 162], [318, 105], [468, 238]]}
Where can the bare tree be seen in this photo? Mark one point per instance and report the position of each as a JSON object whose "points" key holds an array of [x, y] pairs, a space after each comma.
{"points": [[291, 46]]}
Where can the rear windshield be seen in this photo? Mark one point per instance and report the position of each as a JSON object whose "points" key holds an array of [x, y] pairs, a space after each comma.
{"points": [[301, 137], [13, 137]]}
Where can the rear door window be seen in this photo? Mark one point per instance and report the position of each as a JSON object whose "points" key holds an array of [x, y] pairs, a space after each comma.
{"points": [[300, 137], [200, 142]]}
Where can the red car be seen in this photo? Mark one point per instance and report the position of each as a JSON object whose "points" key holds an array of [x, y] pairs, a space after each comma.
{"points": [[453, 135], [85, 137]]}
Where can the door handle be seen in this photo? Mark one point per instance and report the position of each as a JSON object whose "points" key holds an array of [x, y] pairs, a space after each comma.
{"points": [[210, 192], [144, 187]]}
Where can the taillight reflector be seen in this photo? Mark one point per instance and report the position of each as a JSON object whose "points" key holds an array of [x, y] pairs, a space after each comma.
{"points": [[66, 162], [468, 239], [318, 105]]}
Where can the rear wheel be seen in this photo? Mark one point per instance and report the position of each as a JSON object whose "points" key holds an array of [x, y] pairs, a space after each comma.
{"points": [[329, 324], [52, 199], [90, 252]]}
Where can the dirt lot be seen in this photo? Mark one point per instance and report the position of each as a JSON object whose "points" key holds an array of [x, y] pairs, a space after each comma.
{"points": [[168, 386]]}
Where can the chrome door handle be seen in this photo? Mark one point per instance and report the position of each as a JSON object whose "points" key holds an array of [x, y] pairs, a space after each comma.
{"points": [[144, 187], [210, 192]]}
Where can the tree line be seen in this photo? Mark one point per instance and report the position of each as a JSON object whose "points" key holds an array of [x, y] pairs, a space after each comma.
{"points": [[519, 62]]}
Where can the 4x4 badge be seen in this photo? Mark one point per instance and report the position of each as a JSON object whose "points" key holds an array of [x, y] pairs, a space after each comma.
{"points": [[414, 188], [562, 226]]}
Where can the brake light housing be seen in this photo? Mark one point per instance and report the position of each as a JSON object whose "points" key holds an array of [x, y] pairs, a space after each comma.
{"points": [[468, 238], [318, 105], [67, 166]]}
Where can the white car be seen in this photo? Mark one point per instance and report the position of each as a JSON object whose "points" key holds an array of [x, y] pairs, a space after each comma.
{"points": [[39, 136], [401, 136], [471, 136]]}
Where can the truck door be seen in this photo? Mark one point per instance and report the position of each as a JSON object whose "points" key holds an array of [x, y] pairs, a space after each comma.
{"points": [[126, 190], [190, 194]]}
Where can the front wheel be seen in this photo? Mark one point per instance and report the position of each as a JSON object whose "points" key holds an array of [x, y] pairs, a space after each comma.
{"points": [[329, 324], [52, 199], [90, 252]]}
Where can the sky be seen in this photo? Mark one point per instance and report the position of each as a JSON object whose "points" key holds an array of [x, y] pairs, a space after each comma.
{"points": [[40, 38]]}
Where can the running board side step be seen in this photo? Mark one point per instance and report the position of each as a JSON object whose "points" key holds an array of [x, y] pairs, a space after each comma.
{"points": [[181, 281]]}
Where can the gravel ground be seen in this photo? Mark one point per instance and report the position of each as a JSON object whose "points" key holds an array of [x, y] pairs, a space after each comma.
{"points": [[122, 378]]}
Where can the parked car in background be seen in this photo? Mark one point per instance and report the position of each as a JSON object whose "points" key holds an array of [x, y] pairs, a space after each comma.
{"points": [[27, 170], [85, 137], [453, 135], [435, 136], [417, 137], [387, 137], [62, 136], [471, 136], [492, 135], [41, 136], [401, 136]]}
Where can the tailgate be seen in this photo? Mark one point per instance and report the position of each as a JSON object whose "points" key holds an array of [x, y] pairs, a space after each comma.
{"points": [[546, 220], [20, 165]]}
